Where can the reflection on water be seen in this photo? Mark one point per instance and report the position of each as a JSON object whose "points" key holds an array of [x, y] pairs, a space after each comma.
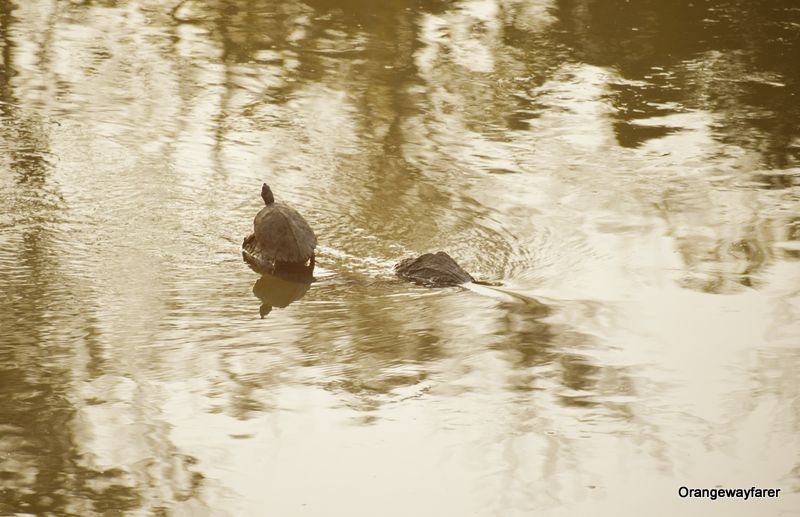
{"points": [[628, 171], [274, 291]]}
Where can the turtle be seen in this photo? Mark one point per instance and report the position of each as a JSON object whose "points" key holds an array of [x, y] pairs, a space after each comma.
{"points": [[282, 242], [440, 270], [433, 270]]}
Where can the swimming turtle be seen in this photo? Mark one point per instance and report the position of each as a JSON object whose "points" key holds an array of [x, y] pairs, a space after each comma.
{"points": [[433, 270], [440, 270], [282, 242]]}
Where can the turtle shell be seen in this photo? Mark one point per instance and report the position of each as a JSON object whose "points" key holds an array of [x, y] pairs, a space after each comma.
{"points": [[433, 269], [283, 235]]}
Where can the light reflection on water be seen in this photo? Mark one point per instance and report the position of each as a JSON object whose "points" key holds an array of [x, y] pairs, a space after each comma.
{"points": [[634, 191]]}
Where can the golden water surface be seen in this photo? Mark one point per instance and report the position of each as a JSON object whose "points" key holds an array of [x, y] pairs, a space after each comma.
{"points": [[627, 171]]}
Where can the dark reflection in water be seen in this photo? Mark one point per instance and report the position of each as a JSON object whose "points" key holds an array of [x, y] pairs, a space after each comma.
{"points": [[735, 59], [616, 166], [274, 291]]}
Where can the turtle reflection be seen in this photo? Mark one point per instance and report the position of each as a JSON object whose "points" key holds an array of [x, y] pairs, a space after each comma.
{"points": [[279, 291]]}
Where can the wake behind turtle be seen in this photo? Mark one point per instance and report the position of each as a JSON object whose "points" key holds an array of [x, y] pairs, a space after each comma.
{"points": [[283, 244]]}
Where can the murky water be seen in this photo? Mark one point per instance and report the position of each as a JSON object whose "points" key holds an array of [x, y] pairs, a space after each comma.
{"points": [[628, 171]]}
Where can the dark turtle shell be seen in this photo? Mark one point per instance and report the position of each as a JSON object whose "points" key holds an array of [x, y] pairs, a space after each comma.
{"points": [[283, 235], [433, 269]]}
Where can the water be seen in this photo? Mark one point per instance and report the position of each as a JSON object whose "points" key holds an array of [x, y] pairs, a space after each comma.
{"points": [[629, 172]]}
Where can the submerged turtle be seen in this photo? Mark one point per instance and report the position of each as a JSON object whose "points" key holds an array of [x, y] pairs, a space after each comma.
{"points": [[433, 270], [282, 242], [440, 270]]}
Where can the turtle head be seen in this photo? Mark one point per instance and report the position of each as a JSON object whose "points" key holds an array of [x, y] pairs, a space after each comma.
{"points": [[266, 194]]}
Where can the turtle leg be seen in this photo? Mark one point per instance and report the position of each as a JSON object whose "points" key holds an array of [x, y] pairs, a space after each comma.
{"points": [[311, 264]]}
